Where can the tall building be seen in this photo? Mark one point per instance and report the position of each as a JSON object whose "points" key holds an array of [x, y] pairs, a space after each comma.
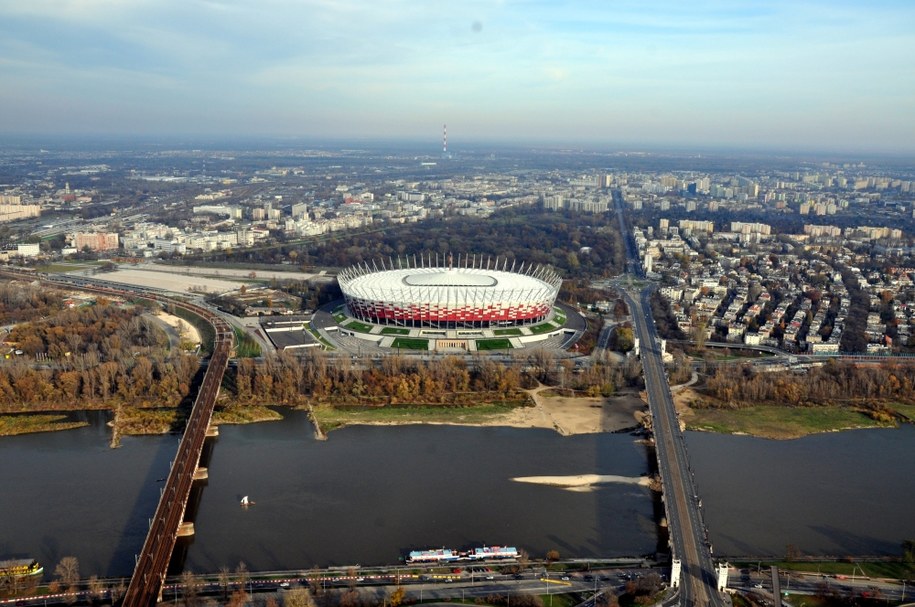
{"points": [[96, 241]]}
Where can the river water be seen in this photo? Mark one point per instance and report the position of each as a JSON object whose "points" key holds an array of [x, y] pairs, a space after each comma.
{"points": [[838, 494], [370, 494]]}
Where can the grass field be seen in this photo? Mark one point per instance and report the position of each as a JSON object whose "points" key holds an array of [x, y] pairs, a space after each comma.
{"points": [[507, 332], [493, 344], [245, 415], [327, 345], [330, 417], [779, 422], [907, 410], [11, 425], [361, 327], [245, 345], [395, 331], [543, 328], [407, 343], [63, 267]]}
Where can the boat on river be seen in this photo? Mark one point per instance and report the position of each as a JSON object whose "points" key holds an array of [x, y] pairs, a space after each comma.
{"points": [[448, 555], [20, 568]]}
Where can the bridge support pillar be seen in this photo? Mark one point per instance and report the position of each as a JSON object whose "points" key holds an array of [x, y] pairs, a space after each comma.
{"points": [[201, 473], [186, 529], [212, 431]]}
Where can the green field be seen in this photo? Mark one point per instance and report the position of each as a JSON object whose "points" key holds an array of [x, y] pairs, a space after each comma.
{"points": [[409, 343], [45, 422], [360, 327], [514, 331], [395, 331], [327, 345], [64, 267], [493, 344], [245, 345], [782, 422], [907, 410], [543, 328]]}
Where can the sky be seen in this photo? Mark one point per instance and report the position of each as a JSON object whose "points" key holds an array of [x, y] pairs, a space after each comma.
{"points": [[781, 74]]}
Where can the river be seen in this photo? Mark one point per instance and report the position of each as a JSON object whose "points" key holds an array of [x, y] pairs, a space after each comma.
{"points": [[367, 495], [370, 494], [841, 494]]}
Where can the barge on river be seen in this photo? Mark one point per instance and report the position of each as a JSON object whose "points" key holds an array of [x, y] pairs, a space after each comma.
{"points": [[20, 568], [448, 555]]}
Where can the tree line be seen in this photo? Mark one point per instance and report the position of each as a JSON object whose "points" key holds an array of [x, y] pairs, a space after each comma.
{"points": [[315, 379], [20, 302], [578, 245], [833, 382], [96, 356]]}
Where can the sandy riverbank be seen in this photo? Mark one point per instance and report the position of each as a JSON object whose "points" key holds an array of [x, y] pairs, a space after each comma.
{"points": [[566, 415], [576, 415]]}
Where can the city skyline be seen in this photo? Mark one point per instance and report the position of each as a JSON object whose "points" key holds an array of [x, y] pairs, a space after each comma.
{"points": [[779, 75]]}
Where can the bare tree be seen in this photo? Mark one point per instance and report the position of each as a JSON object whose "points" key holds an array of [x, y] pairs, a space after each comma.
{"points": [[192, 586], [241, 574], [67, 570], [96, 589], [224, 582]]}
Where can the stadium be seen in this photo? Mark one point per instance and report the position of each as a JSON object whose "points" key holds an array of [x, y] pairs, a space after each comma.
{"points": [[472, 293]]}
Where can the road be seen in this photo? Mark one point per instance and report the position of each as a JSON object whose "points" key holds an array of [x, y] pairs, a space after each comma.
{"points": [[684, 518], [688, 535]]}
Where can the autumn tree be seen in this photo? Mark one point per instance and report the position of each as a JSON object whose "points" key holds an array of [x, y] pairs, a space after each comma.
{"points": [[300, 596], [396, 597]]}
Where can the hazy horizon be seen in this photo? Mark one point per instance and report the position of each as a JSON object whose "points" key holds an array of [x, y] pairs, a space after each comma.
{"points": [[779, 76]]}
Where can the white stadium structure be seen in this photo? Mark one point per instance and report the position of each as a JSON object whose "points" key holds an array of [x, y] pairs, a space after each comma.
{"points": [[474, 292]]}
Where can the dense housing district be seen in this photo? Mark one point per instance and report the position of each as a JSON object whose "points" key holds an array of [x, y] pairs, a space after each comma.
{"points": [[820, 277]]}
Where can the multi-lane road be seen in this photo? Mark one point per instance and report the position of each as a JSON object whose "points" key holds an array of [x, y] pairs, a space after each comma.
{"points": [[684, 516]]}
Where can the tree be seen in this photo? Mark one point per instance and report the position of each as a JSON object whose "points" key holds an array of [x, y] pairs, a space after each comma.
{"points": [[395, 599], [192, 586], [96, 589], [625, 339], [908, 551], [298, 597], [224, 582], [552, 555], [67, 570], [241, 575]]}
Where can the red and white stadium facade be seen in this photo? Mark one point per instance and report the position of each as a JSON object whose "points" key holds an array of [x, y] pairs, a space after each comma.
{"points": [[474, 292]]}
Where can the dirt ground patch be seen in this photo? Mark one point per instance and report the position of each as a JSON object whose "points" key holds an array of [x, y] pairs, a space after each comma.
{"points": [[186, 331], [576, 415]]}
